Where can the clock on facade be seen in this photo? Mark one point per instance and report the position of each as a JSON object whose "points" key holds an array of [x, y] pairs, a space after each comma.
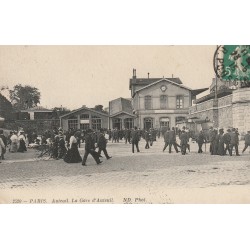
{"points": [[163, 88]]}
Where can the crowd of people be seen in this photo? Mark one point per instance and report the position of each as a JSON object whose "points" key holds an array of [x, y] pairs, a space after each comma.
{"points": [[16, 142], [64, 144]]}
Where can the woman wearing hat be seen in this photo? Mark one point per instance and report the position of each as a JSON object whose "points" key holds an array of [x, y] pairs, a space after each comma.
{"points": [[73, 155], [22, 147], [14, 142]]}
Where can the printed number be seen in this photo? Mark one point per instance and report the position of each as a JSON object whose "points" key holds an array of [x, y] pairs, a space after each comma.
{"points": [[17, 201]]}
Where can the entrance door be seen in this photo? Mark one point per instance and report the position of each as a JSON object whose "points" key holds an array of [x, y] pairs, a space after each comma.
{"points": [[148, 123], [117, 123], [164, 123]]}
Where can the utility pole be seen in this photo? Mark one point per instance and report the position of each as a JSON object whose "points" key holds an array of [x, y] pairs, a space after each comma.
{"points": [[216, 78]]}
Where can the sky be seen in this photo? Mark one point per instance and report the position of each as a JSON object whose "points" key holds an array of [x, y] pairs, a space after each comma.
{"points": [[73, 76]]}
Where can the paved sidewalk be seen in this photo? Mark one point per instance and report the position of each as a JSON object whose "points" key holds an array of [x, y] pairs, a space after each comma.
{"points": [[150, 176]]}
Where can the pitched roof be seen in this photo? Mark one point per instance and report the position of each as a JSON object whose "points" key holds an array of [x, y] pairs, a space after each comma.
{"points": [[84, 108], [147, 81], [122, 112], [163, 79]]}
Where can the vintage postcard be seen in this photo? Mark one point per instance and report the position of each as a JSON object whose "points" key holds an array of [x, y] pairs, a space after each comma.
{"points": [[125, 124]]}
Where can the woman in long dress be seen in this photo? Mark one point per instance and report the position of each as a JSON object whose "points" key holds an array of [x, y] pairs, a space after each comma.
{"points": [[73, 155], [22, 147], [14, 142]]}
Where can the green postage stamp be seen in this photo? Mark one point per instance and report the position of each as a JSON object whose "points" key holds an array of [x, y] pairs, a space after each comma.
{"points": [[232, 63]]}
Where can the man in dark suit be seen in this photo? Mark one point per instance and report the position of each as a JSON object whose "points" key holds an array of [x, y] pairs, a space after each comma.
{"points": [[184, 141], [227, 139], [200, 140], [234, 142], [90, 149], [166, 139], [102, 144], [146, 135], [135, 138], [247, 141], [172, 140]]}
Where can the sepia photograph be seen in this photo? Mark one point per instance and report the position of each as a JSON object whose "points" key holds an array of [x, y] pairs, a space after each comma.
{"points": [[124, 125], [165, 124]]}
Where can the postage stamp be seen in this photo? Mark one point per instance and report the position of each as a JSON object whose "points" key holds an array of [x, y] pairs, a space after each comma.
{"points": [[124, 124]]}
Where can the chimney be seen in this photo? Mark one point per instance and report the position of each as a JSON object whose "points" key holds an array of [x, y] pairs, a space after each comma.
{"points": [[134, 76], [148, 75]]}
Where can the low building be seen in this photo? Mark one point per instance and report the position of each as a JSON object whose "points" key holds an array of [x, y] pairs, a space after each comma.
{"points": [[85, 118], [35, 113], [121, 114]]}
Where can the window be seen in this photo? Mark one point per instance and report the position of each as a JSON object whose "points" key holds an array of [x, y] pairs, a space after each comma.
{"points": [[72, 123], [129, 123], [179, 102], [84, 126], [164, 122], [96, 122], [148, 102], [148, 123], [84, 116], [117, 123], [84, 121], [163, 102]]}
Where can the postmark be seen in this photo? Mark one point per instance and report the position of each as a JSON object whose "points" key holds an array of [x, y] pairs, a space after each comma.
{"points": [[232, 63]]}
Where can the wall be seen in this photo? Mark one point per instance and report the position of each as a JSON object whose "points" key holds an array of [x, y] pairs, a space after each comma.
{"points": [[232, 110], [171, 93], [241, 109], [225, 116]]}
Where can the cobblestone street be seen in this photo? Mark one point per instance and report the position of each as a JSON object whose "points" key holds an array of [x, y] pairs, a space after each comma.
{"points": [[150, 176]]}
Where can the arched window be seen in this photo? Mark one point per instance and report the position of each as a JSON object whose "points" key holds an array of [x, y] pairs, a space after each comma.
{"points": [[148, 102], [148, 123]]}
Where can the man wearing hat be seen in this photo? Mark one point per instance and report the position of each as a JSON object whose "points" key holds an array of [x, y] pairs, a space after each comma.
{"points": [[220, 138], [61, 145], [247, 141], [200, 140], [135, 138], [234, 142], [90, 149], [102, 144], [227, 139], [184, 141]]}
